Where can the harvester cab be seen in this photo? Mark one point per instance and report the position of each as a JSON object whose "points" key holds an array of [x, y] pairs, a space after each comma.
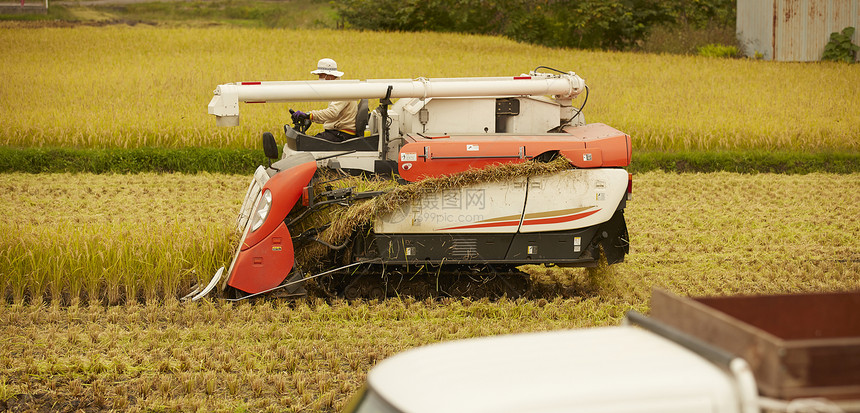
{"points": [[363, 153], [492, 173]]}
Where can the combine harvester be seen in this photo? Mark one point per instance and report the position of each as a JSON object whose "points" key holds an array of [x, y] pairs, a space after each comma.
{"points": [[492, 173]]}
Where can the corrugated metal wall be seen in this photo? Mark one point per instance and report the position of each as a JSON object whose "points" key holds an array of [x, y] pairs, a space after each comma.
{"points": [[755, 27], [793, 30]]}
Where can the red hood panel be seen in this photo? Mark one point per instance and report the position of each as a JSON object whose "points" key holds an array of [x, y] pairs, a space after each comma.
{"points": [[286, 187], [266, 264], [590, 146]]}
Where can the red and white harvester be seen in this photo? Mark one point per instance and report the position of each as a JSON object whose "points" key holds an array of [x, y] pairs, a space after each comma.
{"points": [[464, 239]]}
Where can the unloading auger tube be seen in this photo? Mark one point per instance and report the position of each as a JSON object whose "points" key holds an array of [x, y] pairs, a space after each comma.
{"points": [[520, 179], [225, 104]]}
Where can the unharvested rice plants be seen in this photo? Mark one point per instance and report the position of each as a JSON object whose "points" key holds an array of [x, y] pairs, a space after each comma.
{"points": [[137, 86], [120, 238], [693, 234], [113, 238]]}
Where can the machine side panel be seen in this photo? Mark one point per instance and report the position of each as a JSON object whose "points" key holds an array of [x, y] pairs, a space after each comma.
{"points": [[447, 116], [589, 146], [558, 247], [614, 145], [266, 264], [576, 198], [428, 158], [442, 248], [486, 208]]}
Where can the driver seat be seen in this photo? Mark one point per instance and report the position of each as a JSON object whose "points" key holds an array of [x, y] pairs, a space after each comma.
{"points": [[361, 118], [301, 142]]}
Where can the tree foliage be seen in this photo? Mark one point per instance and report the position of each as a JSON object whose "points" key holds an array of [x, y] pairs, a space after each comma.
{"points": [[593, 24]]}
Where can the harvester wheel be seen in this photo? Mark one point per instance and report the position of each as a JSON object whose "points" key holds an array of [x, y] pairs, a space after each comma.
{"points": [[377, 293], [352, 292]]}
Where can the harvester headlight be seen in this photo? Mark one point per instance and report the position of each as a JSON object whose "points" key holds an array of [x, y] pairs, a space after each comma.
{"points": [[262, 211]]}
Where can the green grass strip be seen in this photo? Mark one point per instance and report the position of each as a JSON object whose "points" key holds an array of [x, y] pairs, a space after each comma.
{"points": [[185, 160], [244, 161], [747, 162]]}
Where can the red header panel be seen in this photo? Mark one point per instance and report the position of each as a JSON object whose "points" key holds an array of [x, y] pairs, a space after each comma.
{"points": [[590, 146]]}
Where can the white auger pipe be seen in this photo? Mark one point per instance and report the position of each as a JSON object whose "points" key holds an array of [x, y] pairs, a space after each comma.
{"points": [[225, 104]]}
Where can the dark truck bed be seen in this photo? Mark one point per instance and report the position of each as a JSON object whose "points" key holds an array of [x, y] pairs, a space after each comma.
{"points": [[800, 345]]}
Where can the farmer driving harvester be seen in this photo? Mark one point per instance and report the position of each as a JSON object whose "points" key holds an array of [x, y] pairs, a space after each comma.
{"points": [[338, 118]]}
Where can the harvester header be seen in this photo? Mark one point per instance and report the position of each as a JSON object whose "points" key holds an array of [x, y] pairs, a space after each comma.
{"points": [[225, 104]]}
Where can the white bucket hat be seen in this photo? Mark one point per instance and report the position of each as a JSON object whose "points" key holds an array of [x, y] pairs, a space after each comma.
{"points": [[327, 67]]}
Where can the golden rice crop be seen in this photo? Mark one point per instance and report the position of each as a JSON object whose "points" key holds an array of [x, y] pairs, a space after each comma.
{"points": [[693, 234], [726, 233], [119, 237], [113, 238], [125, 86]]}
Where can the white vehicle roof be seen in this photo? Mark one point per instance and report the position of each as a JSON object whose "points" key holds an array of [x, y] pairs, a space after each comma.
{"points": [[611, 369]]}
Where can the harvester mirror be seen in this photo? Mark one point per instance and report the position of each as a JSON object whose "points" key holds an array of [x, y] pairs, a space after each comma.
{"points": [[270, 147]]}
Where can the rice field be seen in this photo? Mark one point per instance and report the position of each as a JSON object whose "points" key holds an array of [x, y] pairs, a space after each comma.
{"points": [[113, 238], [693, 234], [76, 238], [91, 265], [122, 86]]}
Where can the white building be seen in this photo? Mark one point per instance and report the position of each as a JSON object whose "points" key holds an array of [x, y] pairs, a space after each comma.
{"points": [[793, 30]]}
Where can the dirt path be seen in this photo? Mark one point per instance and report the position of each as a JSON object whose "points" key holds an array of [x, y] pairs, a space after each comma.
{"points": [[35, 3], [108, 2]]}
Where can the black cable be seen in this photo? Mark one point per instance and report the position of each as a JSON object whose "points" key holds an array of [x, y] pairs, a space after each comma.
{"points": [[547, 67], [583, 104]]}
